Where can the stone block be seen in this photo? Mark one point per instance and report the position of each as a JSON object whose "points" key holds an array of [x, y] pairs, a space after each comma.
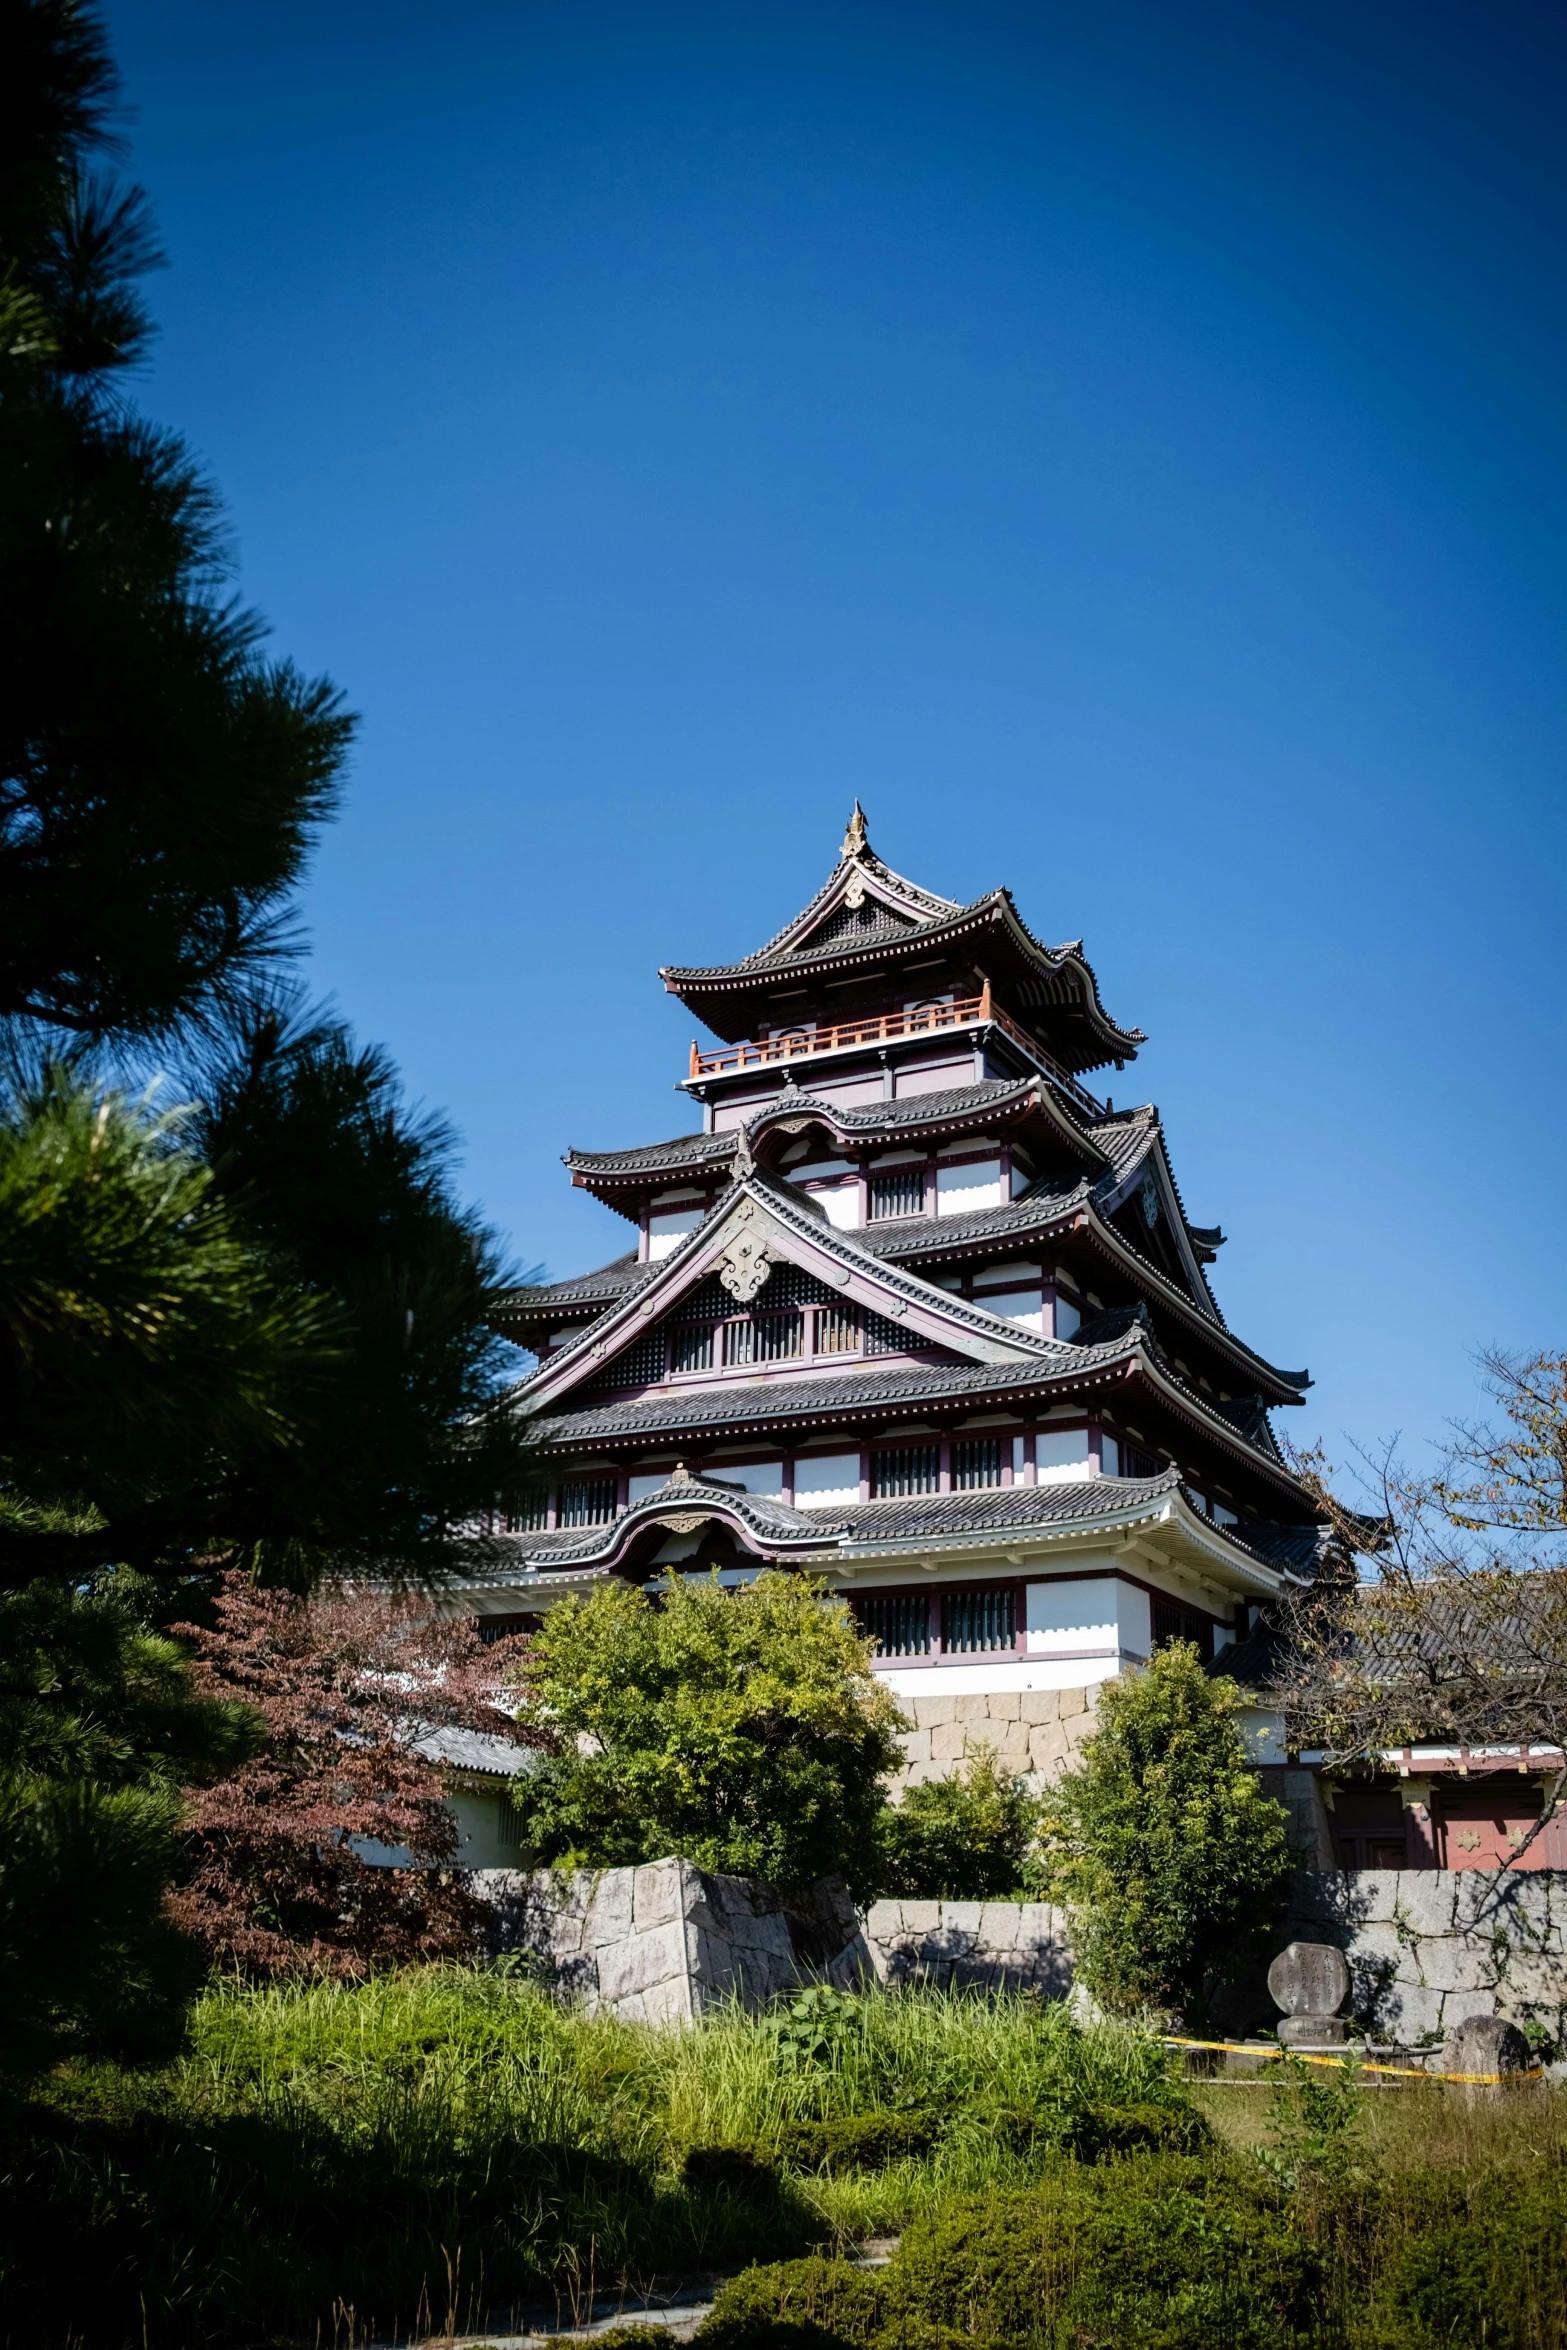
{"points": [[609, 1915], [1425, 1900], [1449, 1962], [961, 1917], [1047, 1747], [1012, 1745], [641, 1961], [972, 1709], [1072, 1703], [1006, 1705], [1000, 1925], [931, 1713], [920, 1774], [1039, 1705], [923, 1917], [1410, 2014], [949, 1742], [915, 1745], [657, 1892]]}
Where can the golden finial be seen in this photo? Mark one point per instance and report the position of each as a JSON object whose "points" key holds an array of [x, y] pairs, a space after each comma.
{"points": [[855, 843]]}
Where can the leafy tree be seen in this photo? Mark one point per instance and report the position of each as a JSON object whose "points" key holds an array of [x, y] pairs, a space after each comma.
{"points": [[99, 1727], [741, 1729], [161, 780], [963, 1838], [352, 1689], [1162, 1845]]}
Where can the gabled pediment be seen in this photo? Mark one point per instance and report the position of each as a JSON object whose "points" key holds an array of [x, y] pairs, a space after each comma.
{"points": [[760, 1228]]}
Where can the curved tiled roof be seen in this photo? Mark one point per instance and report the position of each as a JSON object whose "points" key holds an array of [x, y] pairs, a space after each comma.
{"points": [[682, 1151], [925, 908], [549, 1300]]}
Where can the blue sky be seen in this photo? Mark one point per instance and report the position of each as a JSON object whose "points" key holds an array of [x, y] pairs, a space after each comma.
{"points": [[1122, 445]]}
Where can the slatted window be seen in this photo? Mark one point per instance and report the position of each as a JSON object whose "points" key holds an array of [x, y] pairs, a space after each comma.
{"points": [[527, 1517], [885, 1338], [1138, 1463], [587, 1501], [765, 1338], [976, 1622], [641, 1365], [691, 1346], [899, 1622], [837, 1330], [976, 1461], [899, 1192], [1171, 1622], [901, 1469], [509, 1833]]}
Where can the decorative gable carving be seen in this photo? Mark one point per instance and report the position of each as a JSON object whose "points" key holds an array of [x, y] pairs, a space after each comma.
{"points": [[745, 1266]]}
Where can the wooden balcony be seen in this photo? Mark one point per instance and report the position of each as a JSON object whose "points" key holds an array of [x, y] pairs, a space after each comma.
{"points": [[810, 1042]]}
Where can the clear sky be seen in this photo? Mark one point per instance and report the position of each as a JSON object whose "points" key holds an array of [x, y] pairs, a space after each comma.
{"points": [[1122, 444]]}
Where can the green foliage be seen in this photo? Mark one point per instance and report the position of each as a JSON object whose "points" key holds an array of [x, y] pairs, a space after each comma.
{"points": [[1314, 2118], [326, 2144], [146, 1342], [1162, 1844], [962, 1838], [1146, 2254], [98, 1728], [161, 781], [744, 1730]]}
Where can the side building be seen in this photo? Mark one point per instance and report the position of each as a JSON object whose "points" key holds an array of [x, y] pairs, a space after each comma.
{"points": [[917, 1311]]}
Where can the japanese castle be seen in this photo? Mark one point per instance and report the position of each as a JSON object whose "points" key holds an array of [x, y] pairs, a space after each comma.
{"points": [[917, 1311]]}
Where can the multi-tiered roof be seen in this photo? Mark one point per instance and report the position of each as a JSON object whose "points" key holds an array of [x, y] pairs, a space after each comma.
{"points": [[906, 1233]]}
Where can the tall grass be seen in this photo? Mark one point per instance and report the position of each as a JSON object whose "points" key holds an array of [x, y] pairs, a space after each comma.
{"points": [[454, 2142]]}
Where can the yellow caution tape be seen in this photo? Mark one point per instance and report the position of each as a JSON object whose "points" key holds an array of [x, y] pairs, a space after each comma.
{"points": [[1402, 2072]]}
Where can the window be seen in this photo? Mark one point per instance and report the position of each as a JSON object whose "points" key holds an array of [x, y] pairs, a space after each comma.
{"points": [[1171, 1622], [827, 1481], [509, 1825], [975, 1621], [1061, 1455], [899, 1622], [528, 1517], [691, 1348], [905, 1468], [900, 1192], [587, 1501], [765, 1338], [493, 1628], [1137, 1463], [976, 1461], [837, 1330]]}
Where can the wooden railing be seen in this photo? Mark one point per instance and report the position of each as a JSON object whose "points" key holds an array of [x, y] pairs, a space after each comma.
{"points": [[807, 1042]]}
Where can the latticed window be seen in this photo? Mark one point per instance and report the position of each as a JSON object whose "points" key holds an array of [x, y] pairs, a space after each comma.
{"points": [[641, 1364], [587, 1501], [837, 1330], [691, 1346], [765, 1338], [898, 1621], [905, 1468], [527, 1517], [899, 1192], [885, 1338], [976, 1461], [974, 1621]]}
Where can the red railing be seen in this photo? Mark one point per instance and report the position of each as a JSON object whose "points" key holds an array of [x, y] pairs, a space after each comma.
{"points": [[885, 1028]]}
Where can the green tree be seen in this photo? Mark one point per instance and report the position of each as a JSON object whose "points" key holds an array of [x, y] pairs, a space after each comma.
{"points": [[963, 1838], [99, 1730], [161, 780], [1162, 1845], [741, 1729]]}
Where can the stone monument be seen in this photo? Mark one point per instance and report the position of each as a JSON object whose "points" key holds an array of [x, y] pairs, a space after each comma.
{"points": [[1310, 1982]]}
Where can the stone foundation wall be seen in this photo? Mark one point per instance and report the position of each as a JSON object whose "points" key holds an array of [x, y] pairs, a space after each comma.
{"points": [[661, 1943], [1033, 1730], [1427, 1947], [985, 1945]]}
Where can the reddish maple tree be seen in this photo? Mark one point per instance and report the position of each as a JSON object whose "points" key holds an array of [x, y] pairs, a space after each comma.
{"points": [[350, 1686]]}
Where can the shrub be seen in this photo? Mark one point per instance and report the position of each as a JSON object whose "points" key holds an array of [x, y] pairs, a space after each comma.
{"points": [[965, 1838], [1149, 2255], [744, 1730], [1162, 1844]]}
